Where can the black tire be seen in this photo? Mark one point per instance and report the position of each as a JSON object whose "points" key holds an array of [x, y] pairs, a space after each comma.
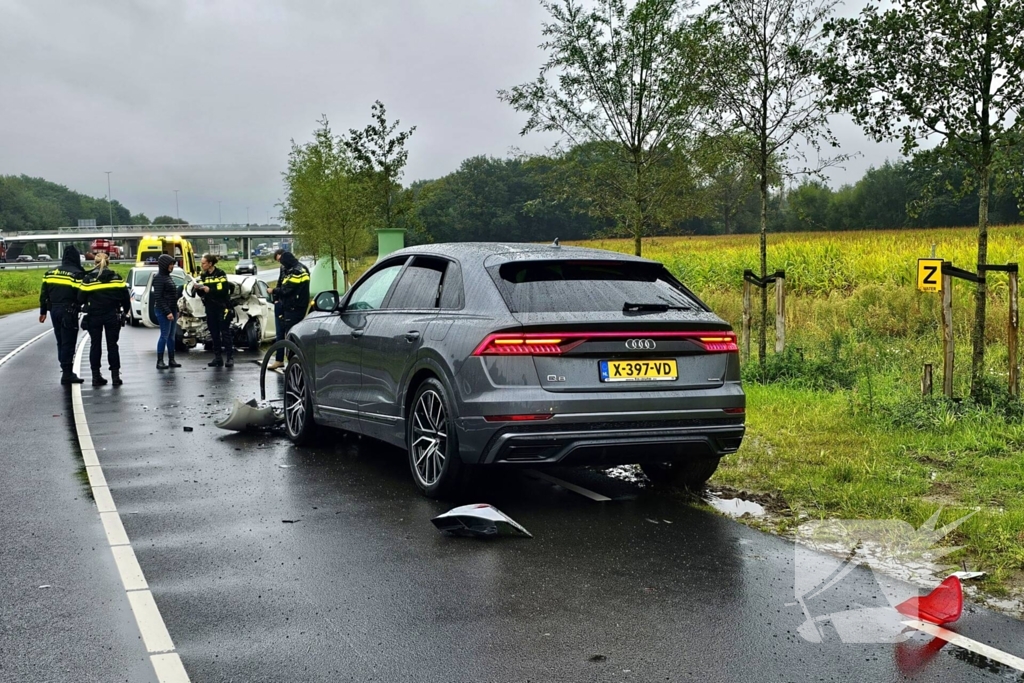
{"points": [[179, 341], [432, 443], [135, 322], [253, 335], [688, 474], [298, 404]]}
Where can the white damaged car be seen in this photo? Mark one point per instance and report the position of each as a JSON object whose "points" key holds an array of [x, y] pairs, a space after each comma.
{"points": [[253, 322]]}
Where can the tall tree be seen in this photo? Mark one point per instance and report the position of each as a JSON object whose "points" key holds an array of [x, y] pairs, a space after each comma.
{"points": [[380, 155], [629, 79], [326, 202], [771, 94], [947, 71]]}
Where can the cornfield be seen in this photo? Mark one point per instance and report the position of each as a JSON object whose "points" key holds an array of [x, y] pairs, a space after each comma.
{"points": [[855, 289]]}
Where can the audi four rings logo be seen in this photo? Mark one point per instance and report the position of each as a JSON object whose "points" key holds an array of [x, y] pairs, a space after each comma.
{"points": [[640, 344]]}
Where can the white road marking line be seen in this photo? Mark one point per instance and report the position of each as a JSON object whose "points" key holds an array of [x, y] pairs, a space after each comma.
{"points": [[568, 486], [129, 569], [165, 661], [169, 668], [151, 624], [104, 502], [24, 346], [95, 474], [966, 643], [116, 535]]}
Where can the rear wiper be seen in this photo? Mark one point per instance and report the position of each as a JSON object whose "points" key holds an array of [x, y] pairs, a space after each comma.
{"points": [[652, 308]]}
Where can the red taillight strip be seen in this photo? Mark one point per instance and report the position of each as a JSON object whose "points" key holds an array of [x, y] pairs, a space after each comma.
{"points": [[555, 343]]}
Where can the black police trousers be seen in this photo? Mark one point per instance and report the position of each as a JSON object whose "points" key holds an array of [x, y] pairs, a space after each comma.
{"points": [[65, 328], [218, 319], [109, 325]]}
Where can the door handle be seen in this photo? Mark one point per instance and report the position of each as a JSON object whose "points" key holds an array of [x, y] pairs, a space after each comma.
{"points": [[358, 333], [412, 335]]}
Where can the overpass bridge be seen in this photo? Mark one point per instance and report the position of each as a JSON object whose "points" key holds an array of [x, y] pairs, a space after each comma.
{"points": [[131, 234]]}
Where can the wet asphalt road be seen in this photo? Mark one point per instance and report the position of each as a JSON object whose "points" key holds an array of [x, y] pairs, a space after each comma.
{"points": [[274, 563]]}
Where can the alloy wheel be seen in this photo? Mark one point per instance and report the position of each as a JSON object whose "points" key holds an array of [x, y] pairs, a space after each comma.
{"points": [[295, 399], [429, 437]]}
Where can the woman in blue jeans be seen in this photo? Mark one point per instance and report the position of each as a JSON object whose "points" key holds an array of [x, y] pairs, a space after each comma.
{"points": [[165, 303]]}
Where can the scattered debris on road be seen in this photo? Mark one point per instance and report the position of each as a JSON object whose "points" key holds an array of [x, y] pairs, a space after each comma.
{"points": [[480, 521], [188, 429]]}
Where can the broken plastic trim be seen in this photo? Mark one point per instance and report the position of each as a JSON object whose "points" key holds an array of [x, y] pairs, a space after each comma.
{"points": [[248, 415], [480, 521]]}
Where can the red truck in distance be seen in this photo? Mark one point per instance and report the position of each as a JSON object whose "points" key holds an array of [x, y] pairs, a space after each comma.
{"points": [[107, 247]]}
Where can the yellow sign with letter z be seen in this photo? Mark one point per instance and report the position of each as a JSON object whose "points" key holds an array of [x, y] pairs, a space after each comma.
{"points": [[929, 274]]}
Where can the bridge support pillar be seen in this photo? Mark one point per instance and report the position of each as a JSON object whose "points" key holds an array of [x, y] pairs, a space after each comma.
{"points": [[246, 247]]}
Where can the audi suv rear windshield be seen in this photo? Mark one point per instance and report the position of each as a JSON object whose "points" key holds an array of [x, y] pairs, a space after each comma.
{"points": [[565, 286]]}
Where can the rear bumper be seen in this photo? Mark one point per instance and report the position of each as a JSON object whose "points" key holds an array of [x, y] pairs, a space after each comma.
{"points": [[598, 443]]}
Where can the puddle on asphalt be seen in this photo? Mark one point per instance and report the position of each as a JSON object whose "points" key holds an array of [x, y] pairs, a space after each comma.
{"points": [[734, 507], [631, 474]]}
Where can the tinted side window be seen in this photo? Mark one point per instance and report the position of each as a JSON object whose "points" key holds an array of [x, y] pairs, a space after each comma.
{"points": [[370, 294], [420, 284]]}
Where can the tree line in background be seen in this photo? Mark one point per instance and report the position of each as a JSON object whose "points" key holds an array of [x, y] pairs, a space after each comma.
{"points": [[491, 199], [37, 204]]}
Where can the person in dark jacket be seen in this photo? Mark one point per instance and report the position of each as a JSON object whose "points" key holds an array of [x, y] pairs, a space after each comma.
{"points": [[165, 302], [106, 301], [215, 291], [59, 298], [291, 298]]}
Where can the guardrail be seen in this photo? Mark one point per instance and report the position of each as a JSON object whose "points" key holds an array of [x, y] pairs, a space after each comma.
{"points": [[30, 265], [72, 230]]}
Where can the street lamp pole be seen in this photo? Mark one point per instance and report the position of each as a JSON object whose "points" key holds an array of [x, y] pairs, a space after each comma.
{"points": [[110, 206], [177, 211], [220, 221], [247, 216]]}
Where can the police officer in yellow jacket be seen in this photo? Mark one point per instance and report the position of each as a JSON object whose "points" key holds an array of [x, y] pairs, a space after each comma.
{"points": [[291, 299], [59, 298], [106, 301], [215, 290]]}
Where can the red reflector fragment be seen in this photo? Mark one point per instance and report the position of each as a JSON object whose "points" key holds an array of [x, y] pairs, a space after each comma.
{"points": [[942, 606], [519, 418], [734, 411]]}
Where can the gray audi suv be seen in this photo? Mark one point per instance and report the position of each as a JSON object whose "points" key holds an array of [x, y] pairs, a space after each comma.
{"points": [[520, 355]]}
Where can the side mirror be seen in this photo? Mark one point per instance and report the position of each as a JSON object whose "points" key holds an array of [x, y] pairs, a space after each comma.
{"points": [[326, 302]]}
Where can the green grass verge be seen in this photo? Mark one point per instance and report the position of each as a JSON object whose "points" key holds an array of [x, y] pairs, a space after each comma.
{"points": [[829, 456], [19, 289]]}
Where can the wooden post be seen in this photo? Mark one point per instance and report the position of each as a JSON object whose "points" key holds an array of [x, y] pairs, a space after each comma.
{"points": [[1011, 335], [926, 380], [746, 318], [947, 335], [780, 314]]}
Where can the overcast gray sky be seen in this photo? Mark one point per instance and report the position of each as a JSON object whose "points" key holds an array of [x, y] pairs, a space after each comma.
{"points": [[203, 96]]}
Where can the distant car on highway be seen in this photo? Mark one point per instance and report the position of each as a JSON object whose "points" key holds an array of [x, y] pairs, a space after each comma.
{"points": [[24, 258], [43, 257], [245, 267], [520, 355]]}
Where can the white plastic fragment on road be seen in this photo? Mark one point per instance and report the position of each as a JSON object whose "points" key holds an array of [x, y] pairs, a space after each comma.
{"points": [[249, 415], [967, 576], [480, 521]]}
